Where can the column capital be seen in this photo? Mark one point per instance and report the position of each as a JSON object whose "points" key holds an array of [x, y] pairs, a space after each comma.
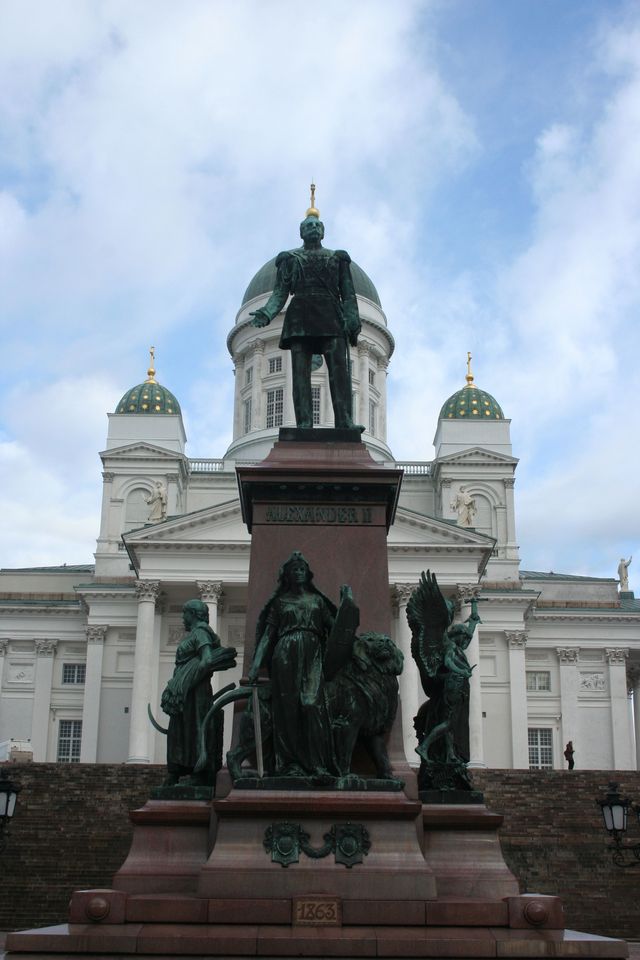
{"points": [[45, 647], [211, 591], [466, 592], [446, 481], [147, 590], [400, 593], [517, 639], [96, 634], [107, 476], [616, 654], [4, 646], [509, 481], [568, 655]]}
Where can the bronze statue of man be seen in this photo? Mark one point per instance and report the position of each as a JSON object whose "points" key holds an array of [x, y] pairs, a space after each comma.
{"points": [[322, 318]]}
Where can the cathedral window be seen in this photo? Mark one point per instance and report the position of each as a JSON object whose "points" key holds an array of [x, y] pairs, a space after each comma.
{"points": [[540, 748], [315, 401], [275, 407], [69, 740], [246, 415], [248, 376], [74, 672], [275, 364], [373, 411], [538, 681], [372, 378]]}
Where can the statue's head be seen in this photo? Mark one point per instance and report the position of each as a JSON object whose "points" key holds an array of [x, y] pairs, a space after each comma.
{"points": [[295, 570], [312, 228], [195, 611]]}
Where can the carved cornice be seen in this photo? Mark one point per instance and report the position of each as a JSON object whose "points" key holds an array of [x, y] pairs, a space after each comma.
{"points": [[211, 591], [147, 590], [96, 634], [568, 655], [616, 654], [45, 647], [517, 639]]}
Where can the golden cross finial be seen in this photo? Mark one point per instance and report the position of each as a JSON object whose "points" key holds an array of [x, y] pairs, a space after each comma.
{"points": [[313, 211], [469, 376], [151, 372]]}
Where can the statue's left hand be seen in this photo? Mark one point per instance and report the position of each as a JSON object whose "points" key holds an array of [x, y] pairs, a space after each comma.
{"points": [[260, 319]]}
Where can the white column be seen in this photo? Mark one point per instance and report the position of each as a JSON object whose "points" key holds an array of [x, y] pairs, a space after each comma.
{"points": [[45, 652], [622, 753], [409, 680], [383, 365], [568, 658], [634, 681], [4, 648], [92, 686], [257, 416], [363, 392], [147, 592], [466, 592], [517, 641], [511, 543]]}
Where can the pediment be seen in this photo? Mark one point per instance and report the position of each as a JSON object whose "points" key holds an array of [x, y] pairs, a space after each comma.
{"points": [[411, 528], [476, 455], [140, 450], [221, 523]]}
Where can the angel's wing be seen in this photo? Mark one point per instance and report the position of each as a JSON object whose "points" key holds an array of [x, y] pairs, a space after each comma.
{"points": [[428, 619]]}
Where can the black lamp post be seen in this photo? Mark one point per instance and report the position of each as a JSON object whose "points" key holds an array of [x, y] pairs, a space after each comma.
{"points": [[8, 796], [615, 814]]}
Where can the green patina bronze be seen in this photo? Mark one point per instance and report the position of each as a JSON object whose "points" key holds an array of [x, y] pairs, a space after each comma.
{"points": [[322, 319], [328, 688], [442, 724], [187, 699], [349, 842]]}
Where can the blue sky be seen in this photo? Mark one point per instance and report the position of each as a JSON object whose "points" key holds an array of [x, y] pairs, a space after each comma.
{"points": [[479, 159]]}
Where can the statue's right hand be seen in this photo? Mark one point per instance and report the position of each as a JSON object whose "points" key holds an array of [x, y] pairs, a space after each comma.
{"points": [[260, 319]]}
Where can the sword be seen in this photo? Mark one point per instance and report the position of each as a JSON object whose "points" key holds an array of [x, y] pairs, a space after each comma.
{"points": [[257, 729]]}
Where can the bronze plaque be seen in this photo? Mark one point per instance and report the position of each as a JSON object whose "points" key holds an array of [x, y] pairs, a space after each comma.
{"points": [[317, 911]]}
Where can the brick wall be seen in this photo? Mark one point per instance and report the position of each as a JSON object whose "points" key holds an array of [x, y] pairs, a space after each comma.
{"points": [[71, 830]]}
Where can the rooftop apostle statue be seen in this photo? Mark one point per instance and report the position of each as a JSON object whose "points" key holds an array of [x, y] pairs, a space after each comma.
{"points": [[322, 317]]}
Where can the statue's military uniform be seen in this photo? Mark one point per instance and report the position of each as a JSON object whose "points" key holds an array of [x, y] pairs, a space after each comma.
{"points": [[322, 318], [324, 301]]}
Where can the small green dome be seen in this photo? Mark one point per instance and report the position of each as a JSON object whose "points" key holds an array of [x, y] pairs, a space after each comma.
{"points": [[471, 403], [265, 280], [148, 397]]}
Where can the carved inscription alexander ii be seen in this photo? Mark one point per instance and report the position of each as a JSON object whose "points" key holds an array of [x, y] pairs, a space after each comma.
{"points": [[326, 514]]}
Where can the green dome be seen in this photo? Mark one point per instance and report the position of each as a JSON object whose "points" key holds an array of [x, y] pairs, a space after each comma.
{"points": [[148, 397], [265, 280], [471, 403]]}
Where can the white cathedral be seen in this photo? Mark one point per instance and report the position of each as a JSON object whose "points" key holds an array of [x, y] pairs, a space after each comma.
{"points": [[83, 649]]}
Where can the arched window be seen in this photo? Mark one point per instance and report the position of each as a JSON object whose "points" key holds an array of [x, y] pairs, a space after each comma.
{"points": [[137, 510]]}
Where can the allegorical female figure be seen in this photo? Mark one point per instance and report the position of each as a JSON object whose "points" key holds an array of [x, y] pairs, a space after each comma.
{"points": [[187, 696], [291, 637]]}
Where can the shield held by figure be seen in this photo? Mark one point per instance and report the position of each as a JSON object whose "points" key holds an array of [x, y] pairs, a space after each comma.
{"points": [[340, 642]]}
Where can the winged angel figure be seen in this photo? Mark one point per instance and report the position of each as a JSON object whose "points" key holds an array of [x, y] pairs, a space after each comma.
{"points": [[442, 724]]}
